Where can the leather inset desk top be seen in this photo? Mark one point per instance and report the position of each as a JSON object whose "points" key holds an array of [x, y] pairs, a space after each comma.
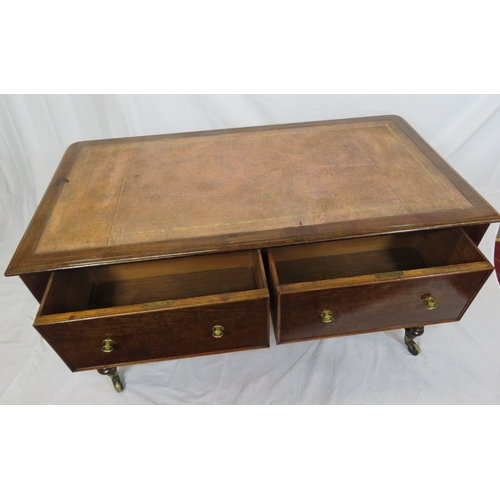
{"points": [[238, 184], [201, 186]]}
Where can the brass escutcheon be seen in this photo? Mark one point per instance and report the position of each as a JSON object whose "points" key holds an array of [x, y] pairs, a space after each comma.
{"points": [[430, 303], [217, 331], [107, 345], [327, 316]]}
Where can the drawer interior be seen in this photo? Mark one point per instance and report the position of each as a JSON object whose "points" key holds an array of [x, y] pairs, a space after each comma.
{"points": [[373, 255], [144, 282]]}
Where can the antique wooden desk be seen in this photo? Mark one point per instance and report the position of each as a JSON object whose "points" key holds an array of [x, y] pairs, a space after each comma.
{"points": [[153, 248]]}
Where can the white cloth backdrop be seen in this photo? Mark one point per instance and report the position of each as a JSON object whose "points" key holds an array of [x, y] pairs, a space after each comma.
{"points": [[459, 364]]}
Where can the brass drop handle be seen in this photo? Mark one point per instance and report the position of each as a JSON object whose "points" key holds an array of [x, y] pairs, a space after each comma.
{"points": [[429, 302], [107, 345], [327, 316], [217, 331]]}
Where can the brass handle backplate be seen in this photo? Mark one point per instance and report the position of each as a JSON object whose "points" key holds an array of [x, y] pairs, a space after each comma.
{"points": [[429, 302], [327, 316], [217, 331], [107, 345]]}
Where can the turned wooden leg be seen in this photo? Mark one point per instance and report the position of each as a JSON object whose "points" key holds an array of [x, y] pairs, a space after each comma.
{"points": [[410, 335], [115, 377]]}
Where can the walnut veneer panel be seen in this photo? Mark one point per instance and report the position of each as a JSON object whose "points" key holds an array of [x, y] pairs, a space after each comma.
{"points": [[375, 283], [376, 306], [162, 334], [201, 186]]}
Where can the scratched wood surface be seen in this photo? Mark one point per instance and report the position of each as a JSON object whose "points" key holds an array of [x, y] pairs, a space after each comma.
{"points": [[188, 187]]}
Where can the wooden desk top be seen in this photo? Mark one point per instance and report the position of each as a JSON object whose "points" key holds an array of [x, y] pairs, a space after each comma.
{"points": [[161, 196]]}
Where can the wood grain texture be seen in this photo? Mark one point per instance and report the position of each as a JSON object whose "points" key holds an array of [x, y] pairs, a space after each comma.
{"points": [[36, 283], [161, 334], [156, 310], [376, 306], [346, 265], [115, 287], [171, 287], [374, 283]]}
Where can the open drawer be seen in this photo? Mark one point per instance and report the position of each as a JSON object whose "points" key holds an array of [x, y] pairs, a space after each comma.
{"points": [[374, 283], [113, 315]]}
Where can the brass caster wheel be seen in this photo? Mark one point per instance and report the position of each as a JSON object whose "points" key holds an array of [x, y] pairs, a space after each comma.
{"points": [[117, 383], [115, 378], [413, 347], [410, 335]]}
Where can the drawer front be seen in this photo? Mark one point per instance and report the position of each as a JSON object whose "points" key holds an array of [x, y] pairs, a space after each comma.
{"points": [[375, 306], [161, 334]]}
